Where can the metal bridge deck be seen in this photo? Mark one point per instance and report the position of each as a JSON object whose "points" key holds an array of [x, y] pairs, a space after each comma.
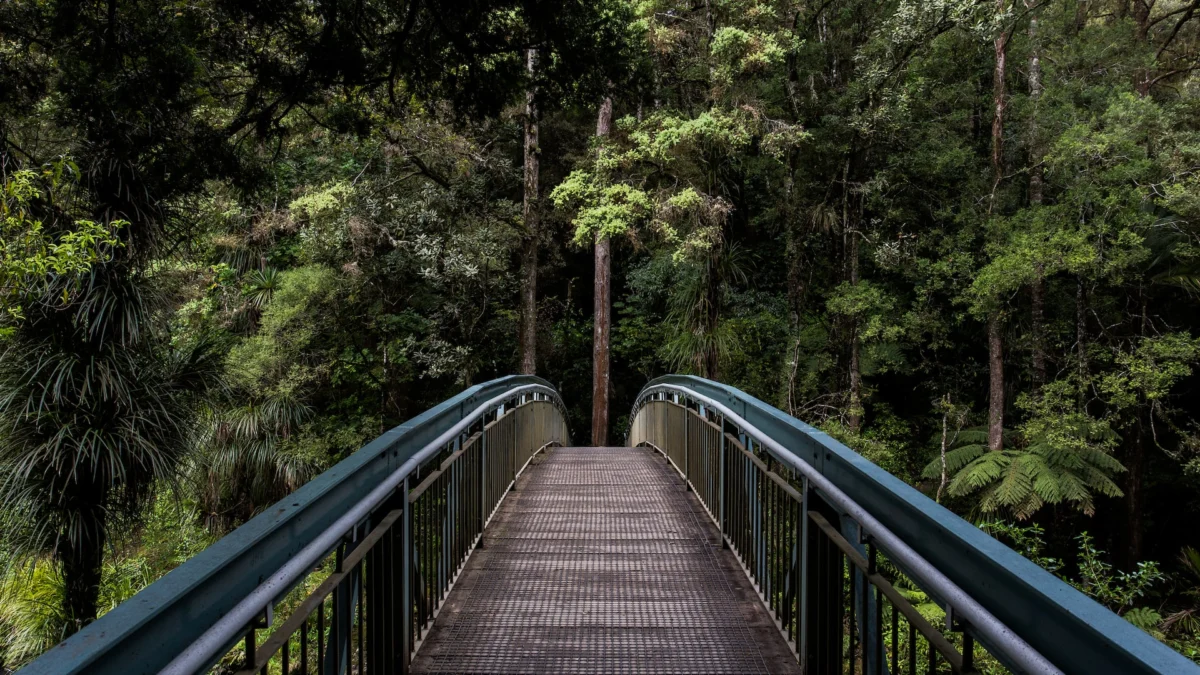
{"points": [[600, 562]]}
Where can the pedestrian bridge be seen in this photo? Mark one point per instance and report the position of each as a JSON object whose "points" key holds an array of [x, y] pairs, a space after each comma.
{"points": [[726, 536]]}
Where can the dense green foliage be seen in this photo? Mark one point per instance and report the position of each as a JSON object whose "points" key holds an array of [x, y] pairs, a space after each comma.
{"points": [[240, 239]]}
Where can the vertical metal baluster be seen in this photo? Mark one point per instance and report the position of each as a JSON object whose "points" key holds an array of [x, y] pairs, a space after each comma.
{"points": [[932, 660], [769, 545], [335, 618], [249, 642], [721, 477], [783, 557], [871, 628], [777, 555], [304, 647], [285, 656], [840, 596], [482, 463], [406, 576], [432, 559], [912, 649], [362, 599], [250, 647], [321, 636], [853, 581], [742, 511], [443, 523], [968, 652], [895, 640], [878, 631], [864, 617], [802, 582]]}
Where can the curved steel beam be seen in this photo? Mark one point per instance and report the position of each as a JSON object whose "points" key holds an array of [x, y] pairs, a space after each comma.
{"points": [[985, 582]]}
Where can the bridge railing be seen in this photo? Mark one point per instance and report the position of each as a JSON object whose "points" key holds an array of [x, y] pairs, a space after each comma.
{"points": [[347, 573], [841, 552]]}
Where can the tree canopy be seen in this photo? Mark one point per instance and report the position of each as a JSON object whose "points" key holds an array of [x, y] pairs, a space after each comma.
{"points": [[242, 238]]}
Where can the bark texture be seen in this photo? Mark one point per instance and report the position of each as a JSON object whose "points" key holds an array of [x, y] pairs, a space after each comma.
{"points": [[995, 338], [529, 248], [855, 418], [995, 384], [1037, 289], [602, 313]]}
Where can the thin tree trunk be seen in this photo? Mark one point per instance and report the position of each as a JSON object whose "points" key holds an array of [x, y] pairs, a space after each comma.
{"points": [[1081, 328], [1135, 465], [1037, 297], [945, 442], [995, 340], [856, 410], [529, 256], [999, 105], [711, 356], [602, 314], [1037, 290], [995, 384], [792, 250]]}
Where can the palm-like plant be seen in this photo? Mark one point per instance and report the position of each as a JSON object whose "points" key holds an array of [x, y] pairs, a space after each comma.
{"points": [[260, 286], [699, 341], [242, 462], [1032, 472], [96, 408]]}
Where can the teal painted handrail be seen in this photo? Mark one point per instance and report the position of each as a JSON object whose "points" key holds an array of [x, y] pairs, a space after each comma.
{"points": [[143, 634], [1075, 633]]}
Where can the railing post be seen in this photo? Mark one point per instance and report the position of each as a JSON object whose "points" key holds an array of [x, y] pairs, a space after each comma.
{"points": [[687, 424], [721, 518], [825, 589], [406, 575], [802, 582], [344, 596], [483, 506]]}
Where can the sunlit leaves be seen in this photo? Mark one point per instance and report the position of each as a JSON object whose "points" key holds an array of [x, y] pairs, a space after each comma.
{"points": [[39, 257]]}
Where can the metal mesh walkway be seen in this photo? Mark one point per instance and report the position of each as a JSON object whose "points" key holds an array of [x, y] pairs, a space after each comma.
{"points": [[601, 562]]}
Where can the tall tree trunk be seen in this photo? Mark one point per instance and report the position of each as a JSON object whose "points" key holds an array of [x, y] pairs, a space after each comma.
{"points": [[602, 320], [995, 339], [712, 358], [1081, 327], [529, 257], [999, 105], [855, 417], [995, 384], [1135, 465], [1037, 290], [793, 249], [1037, 301]]}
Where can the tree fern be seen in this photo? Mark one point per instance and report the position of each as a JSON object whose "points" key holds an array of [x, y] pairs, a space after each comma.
{"points": [[1060, 455]]}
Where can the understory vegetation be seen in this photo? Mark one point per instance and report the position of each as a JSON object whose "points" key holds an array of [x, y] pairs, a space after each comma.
{"points": [[239, 240]]}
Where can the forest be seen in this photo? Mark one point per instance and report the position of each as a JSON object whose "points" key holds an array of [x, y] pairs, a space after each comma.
{"points": [[239, 239]]}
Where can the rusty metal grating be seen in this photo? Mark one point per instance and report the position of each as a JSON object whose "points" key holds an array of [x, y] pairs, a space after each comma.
{"points": [[599, 561]]}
